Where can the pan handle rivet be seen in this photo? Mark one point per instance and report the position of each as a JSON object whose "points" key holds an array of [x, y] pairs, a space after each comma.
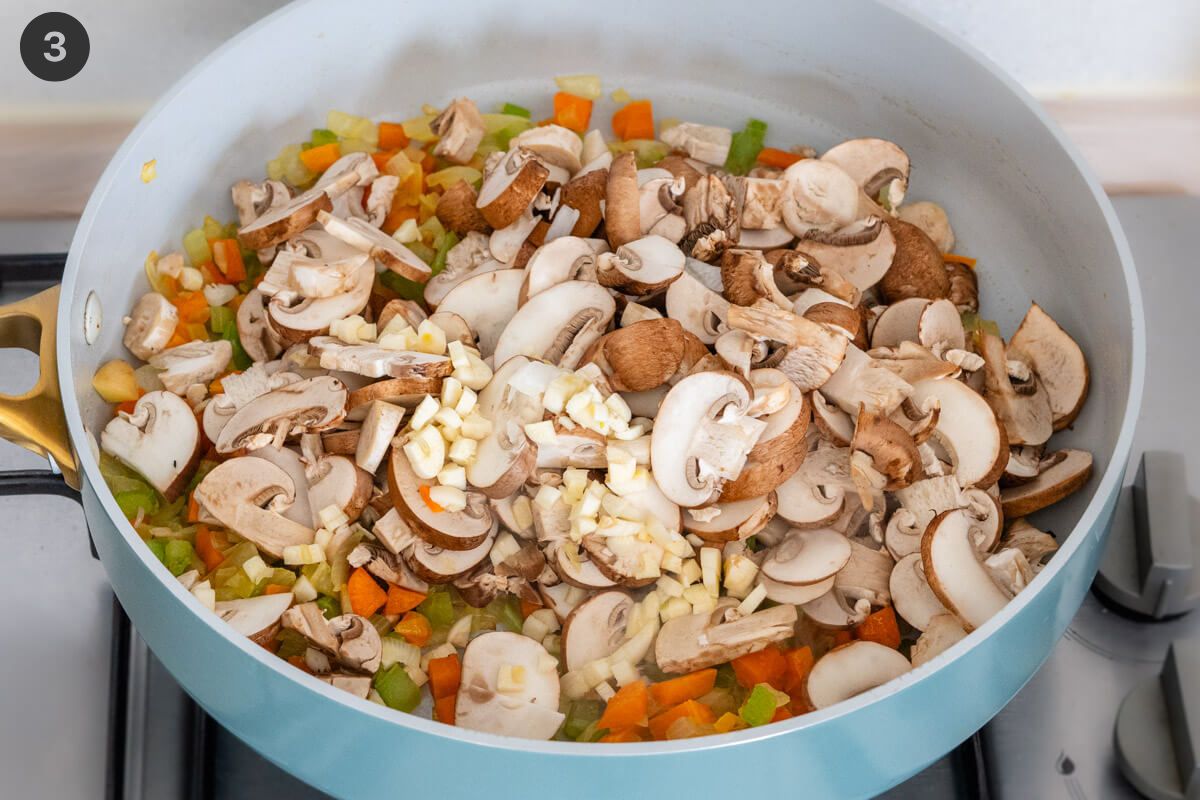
{"points": [[92, 318]]}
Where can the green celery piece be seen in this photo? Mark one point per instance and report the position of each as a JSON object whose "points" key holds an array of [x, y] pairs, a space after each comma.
{"points": [[131, 501], [439, 261], [291, 643], [170, 514], [239, 554], [482, 622], [745, 147], [240, 359], [759, 707], [515, 110], [397, 689], [592, 733], [159, 548], [282, 577], [330, 606], [203, 469], [178, 556], [507, 609], [580, 715], [320, 576], [212, 229], [322, 136], [438, 607], [195, 244], [409, 290], [219, 319], [240, 584]]}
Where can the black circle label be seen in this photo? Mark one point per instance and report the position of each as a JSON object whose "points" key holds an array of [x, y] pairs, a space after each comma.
{"points": [[55, 46]]}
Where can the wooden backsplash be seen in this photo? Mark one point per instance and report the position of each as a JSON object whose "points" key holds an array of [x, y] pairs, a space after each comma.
{"points": [[1136, 145]]}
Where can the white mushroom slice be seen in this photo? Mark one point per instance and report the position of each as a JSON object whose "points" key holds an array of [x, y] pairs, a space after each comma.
{"points": [[967, 429], [289, 461], [1057, 360], [282, 222], [852, 669], [557, 325], [806, 504], [466, 259], [760, 209], [698, 641], [700, 310], [460, 128], [312, 316], [248, 496], [359, 646], [150, 325], [831, 610], [940, 327], [160, 440], [780, 449], [379, 426], [1009, 570], [194, 362], [510, 188], [561, 598], [734, 521], [372, 361], [553, 144], [530, 712], [642, 266], [814, 351], [252, 200], [504, 458], [702, 437], [564, 259], [1071, 469], [337, 481], [308, 405], [712, 211], [930, 218], [795, 595], [1023, 407], [452, 530], [805, 557], [393, 533], [256, 618], [256, 336], [920, 503], [438, 565], [861, 381], [834, 424], [659, 206], [862, 264], [943, 632], [955, 573], [866, 575], [579, 571], [899, 322], [576, 447], [487, 302], [595, 629], [707, 143], [362, 235], [915, 602], [505, 243], [1037, 546], [818, 196], [770, 239], [876, 165]]}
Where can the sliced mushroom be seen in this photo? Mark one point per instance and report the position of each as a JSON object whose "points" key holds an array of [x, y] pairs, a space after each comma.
{"points": [[806, 504], [372, 361], [712, 209], [457, 211], [892, 451], [940, 327], [311, 316], [557, 325], [795, 595], [643, 355], [256, 336], [256, 618], [452, 530], [1068, 475], [195, 362], [1023, 407], [487, 302], [866, 575], [641, 266], [1036, 545], [706, 143], [405, 392], [733, 521], [308, 405], [585, 193], [508, 243], [919, 504], [576, 569], [814, 351], [252, 200], [746, 277], [899, 322], [309, 621], [300, 511], [362, 235], [834, 611], [805, 557], [851, 669], [943, 632], [878, 166], [1057, 360], [701, 311], [530, 712], [930, 218], [439, 565], [595, 628], [504, 458], [660, 211], [510, 188], [834, 424], [359, 647], [460, 128], [248, 496], [863, 263], [914, 601], [955, 573], [285, 221], [379, 426], [160, 440], [561, 598], [968, 430], [553, 144], [337, 481], [780, 449], [697, 641], [564, 259], [150, 325], [917, 269], [818, 196]]}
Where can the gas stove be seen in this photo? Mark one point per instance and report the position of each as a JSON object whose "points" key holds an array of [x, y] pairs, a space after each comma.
{"points": [[90, 711]]}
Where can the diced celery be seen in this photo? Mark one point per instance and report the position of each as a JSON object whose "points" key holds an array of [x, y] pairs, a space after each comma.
{"points": [[240, 585], [759, 707], [170, 514], [586, 86], [592, 733], [720, 701], [348, 126], [381, 623], [195, 244], [409, 290], [339, 567], [282, 577], [319, 576], [357, 146], [431, 231], [322, 136], [975, 324], [438, 608], [240, 359], [397, 689], [745, 147], [448, 240], [159, 548], [291, 643], [212, 229], [178, 556], [289, 167], [726, 677], [401, 166], [580, 715], [452, 175], [239, 554], [482, 622], [648, 152], [131, 501], [330, 606], [507, 609], [514, 110], [494, 123], [220, 319], [418, 128]]}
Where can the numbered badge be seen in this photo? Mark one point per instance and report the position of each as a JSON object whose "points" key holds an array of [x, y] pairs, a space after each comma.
{"points": [[55, 46]]}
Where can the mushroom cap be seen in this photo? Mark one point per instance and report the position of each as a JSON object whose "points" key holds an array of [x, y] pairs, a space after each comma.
{"points": [[505, 458], [873, 164], [256, 618], [487, 302], [852, 669], [509, 189], [152, 322], [557, 325], [247, 495], [439, 565], [805, 557], [160, 440], [585, 193], [452, 530], [282, 222], [818, 196], [917, 269], [1068, 474], [968, 430], [697, 641], [735, 521], [914, 601], [1023, 410], [595, 628], [955, 573], [892, 450], [457, 211], [1057, 360], [641, 266], [311, 404], [532, 712], [930, 218], [643, 355], [864, 264], [622, 207]]}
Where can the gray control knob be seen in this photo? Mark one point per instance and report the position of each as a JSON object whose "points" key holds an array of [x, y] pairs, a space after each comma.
{"points": [[1157, 735], [1151, 563]]}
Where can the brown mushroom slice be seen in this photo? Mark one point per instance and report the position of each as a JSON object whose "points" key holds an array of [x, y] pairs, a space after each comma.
{"points": [[818, 196], [197, 361], [504, 458], [439, 565], [834, 424], [553, 144], [701, 311], [914, 601], [561, 598], [372, 361], [893, 453], [697, 641], [917, 269], [930, 218], [510, 188], [795, 595], [457, 211], [406, 392], [460, 129], [312, 316], [1057, 360], [252, 200], [967, 429], [814, 351], [622, 208], [1022, 407], [877, 165], [256, 618], [643, 355], [623, 568], [530, 712], [466, 259], [160, 440], [563, 259], [943, 632], [285, 221], [780, 449], [258, 339], [986, 519], [955, 573], [341, 443], [585, 193], [863, 381], [359, 646], [712, 210], [746, 276], [641, 266], [863, 264], [851, 669], [702, 437], [337, 481], [309, 621], [293, 464], [734, 521], [452, 530], [940, 327], [308, 405], [362, 235], [1068, 475], [805, 557], [595, 628], [1037, 546], [487, 302], [557, 325], [580, 571], [248, 496], [899, 322]]}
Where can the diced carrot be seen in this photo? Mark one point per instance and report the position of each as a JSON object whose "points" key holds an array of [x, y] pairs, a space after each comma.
{"points": [[207, 546], [628, 708], [443, 708], [689, 708], [842, 637], [444, 675], [622, 736], [799, 663], [228, 258], [365, 595], [880, 627], [178, 337], [127, 406], [400, 600], [276, 588], [572, 111], [434, 507], [634, 121], [320, 158], [392, 136], [415, 628], [299, 663], [780, 159], [210, 272], [381, 158], [762, 666], [237, 301], [781, 714], [955, 258], [192, 307], [685, 687], [397, 216], [528, 607], [193, 510]]}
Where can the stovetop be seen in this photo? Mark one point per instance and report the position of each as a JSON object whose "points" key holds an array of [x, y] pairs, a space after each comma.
{"points": [[89, 712]]}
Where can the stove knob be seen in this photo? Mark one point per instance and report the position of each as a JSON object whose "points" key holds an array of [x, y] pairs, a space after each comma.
{"points": [[1157, 734], [1150, 564]]}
